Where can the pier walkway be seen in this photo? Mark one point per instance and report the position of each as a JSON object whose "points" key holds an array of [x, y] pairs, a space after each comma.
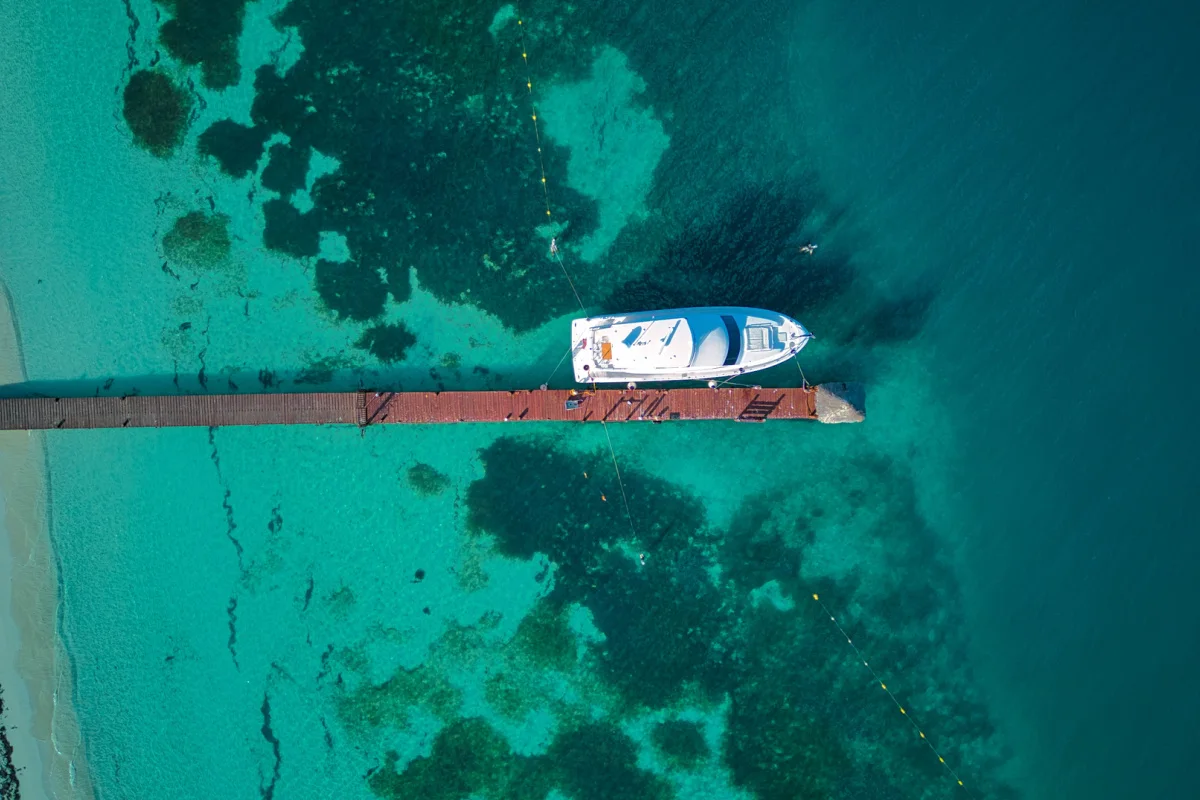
{"points": [[826, 403]]}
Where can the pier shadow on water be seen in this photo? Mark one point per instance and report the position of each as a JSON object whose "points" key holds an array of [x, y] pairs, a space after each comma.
{"points": [[318, 377]]}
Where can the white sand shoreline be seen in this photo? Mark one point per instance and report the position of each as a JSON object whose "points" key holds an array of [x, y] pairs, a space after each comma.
{"points": [[34, 667]]}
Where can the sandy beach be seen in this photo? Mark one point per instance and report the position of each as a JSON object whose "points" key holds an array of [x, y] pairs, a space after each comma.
{"points": [[34, 668]]}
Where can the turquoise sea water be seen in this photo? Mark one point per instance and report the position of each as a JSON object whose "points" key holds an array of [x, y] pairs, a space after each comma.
{"points": [[1003, 197]]}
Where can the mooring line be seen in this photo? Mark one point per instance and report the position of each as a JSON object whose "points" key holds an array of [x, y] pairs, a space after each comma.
{"points": [[546, 383], [608, 437], [570, 282], [796, 358], [537, 134], [620, 482]]}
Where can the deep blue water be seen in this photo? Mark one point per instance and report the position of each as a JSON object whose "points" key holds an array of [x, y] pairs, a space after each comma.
{"points": [[1059, 142]]}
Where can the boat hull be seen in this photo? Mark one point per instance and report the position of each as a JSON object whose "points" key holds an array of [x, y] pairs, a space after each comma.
{"points": [[683, 344]]}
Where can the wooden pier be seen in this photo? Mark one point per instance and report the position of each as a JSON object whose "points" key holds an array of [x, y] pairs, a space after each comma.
{"points": [[828, 403]]}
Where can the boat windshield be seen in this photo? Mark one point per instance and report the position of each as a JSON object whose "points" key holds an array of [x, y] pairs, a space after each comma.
{"points": [[718, 341], [735, 340]]}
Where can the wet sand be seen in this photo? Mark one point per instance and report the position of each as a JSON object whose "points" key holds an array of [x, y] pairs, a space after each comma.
{"points": [[34, 668]]}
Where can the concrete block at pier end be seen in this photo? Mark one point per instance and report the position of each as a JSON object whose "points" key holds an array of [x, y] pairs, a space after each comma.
{"points": [[841, 402]]}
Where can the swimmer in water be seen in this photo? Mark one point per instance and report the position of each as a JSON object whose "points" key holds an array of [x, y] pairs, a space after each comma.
{"points": [[808, 249]]}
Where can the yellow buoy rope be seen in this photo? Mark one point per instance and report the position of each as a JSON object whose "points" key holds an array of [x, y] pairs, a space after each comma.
{"points": [[537, 135], [554, 251], [533, 105], [608, 437], [904, 711]]}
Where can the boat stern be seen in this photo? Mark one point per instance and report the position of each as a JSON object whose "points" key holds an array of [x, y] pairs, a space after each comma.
{"points": [[582, 361]]}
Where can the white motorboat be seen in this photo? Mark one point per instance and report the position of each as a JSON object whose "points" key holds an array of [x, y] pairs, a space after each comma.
{"points": [[682, 344]]}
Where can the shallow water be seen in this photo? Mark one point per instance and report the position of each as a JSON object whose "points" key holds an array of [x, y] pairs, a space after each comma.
{"points": [[999, 195]]}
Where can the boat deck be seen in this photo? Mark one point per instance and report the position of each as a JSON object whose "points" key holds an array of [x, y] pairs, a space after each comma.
{"points": [[379, 408]]}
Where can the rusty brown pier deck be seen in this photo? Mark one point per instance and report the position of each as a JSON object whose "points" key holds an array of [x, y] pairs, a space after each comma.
{"points": [[827, 403]]}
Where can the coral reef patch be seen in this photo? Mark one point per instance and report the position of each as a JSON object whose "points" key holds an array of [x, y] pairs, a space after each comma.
{"points": [[156, 111]]}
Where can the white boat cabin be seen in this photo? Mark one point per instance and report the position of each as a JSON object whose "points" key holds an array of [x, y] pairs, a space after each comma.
{"points": [[682, 344]]}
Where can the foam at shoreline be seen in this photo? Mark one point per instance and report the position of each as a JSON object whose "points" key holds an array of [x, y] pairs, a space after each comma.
{"points": [[34, 667]]}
